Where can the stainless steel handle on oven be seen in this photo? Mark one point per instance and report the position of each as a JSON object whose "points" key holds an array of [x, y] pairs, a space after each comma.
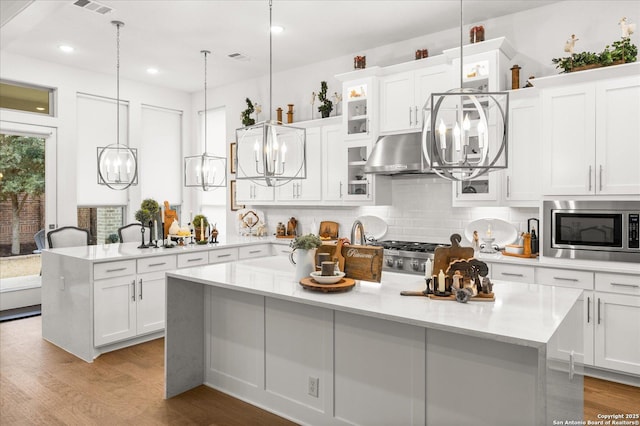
{"points": [[600, 178], [140, 288], [589, 178], [588, 310], [197, 259], [575, 280], [508, 186], [133, 292], [626, 285], [157, 264], [598, 310], [116, 269], [410, 118], [511, 274]]}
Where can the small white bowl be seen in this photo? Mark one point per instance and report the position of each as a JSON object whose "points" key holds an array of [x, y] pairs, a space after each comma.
{"points": [[514, 249], [327, 279]]}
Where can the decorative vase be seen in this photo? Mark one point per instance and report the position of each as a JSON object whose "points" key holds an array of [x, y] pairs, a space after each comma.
{"points": [[325, 113], [306, 262]]}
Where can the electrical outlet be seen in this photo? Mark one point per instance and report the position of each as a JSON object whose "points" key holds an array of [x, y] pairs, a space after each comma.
{"points": [[313, 386]]}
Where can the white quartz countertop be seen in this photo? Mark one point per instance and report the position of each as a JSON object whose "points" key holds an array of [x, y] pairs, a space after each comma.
{"points": [[524, 314], [124, 251]]}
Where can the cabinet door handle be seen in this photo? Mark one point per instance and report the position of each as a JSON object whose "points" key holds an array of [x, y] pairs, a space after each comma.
{"points": [[588, 310], [575, 280], [508, 186], [254, 251], [600, 178], [133, 290], [196, 259], [116, 269], [157, 264], [511, 274], [626, 285], [368, 189], [140, 288], [589, 178], [416, 120], [219, 256], [598, 310], [410, 118], [340, 189]]}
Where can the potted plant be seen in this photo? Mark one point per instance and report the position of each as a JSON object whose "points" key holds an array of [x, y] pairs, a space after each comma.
{"points": [[144, 217], [306, 246], [327, 106], [200, 224], [246, 114]]}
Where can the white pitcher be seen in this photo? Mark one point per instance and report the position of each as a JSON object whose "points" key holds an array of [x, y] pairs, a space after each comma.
{"points": [[306, 263]]}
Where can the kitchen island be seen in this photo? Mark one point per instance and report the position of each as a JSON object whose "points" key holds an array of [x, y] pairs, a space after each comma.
{"points": [[369, 355]]}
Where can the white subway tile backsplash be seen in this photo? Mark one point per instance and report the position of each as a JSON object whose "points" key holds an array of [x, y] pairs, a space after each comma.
{"points": [[421, 211]]}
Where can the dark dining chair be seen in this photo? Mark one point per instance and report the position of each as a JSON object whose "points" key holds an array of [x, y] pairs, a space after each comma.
{"points": [[68, 236]]}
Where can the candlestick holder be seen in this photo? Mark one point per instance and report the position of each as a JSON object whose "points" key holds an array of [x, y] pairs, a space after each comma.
{"points": [[142, 230]]}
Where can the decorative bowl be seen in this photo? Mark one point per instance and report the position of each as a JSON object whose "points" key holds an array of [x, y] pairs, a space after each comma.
{"points": [[327, 279], [514, 249]]}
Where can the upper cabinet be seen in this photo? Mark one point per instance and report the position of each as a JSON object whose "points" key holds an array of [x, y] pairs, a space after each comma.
{"points": [[309, 189], [359, 101], [591, 132], [403, 95]]}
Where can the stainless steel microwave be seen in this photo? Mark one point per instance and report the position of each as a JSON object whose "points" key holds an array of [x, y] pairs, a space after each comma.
{"points": [[592, 230]]}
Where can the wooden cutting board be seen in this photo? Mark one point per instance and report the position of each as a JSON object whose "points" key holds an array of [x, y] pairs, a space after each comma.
{"points": [[443, 256], [342, 285], [360, 262], [328, 230]]}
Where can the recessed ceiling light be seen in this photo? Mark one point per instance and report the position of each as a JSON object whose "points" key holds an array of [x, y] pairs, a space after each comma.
{"points": [[152, 70], [40, 108], [65, 48], [277, 29]]}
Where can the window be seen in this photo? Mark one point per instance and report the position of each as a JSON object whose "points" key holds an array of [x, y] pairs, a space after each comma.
{"points": [[102, 223], [27, 98]]}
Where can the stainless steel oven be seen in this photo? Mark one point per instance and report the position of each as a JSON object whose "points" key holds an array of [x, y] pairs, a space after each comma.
{"points": [[592, 230]]}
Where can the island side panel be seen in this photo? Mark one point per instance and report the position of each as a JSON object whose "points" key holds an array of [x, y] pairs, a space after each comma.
{"points": [[379, 371], [471, 380], [67, 304], [184, 336]]}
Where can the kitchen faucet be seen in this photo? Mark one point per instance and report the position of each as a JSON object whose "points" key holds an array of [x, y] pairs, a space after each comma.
{"points": [[357, 224]]}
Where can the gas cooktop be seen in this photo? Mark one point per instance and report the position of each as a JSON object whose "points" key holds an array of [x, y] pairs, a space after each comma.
{"points": [[407, 256]]}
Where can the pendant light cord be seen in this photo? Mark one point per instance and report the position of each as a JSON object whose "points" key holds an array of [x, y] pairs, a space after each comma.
{"points": [[118, 24], [461, 71], [205, 52], [270, 63]]}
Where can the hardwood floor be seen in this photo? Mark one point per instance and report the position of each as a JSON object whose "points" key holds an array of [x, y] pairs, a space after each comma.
{"points": [[42, 384]]}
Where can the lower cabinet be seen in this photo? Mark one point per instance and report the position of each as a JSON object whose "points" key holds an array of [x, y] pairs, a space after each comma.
{"points": [[517, 273], [610, 318]]}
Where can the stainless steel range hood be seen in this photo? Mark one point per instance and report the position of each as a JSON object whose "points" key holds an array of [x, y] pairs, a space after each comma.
{"points": [[397, 154]]}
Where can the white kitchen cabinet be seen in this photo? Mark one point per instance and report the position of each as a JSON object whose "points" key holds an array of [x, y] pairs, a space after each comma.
{"points": [[590, 134], [258, 250], [334, 161], [223, 255], [520, 181], [517, 273], [130, 305], [617, 332], [309, 189], [251, 193], [403, 95], [359, 108]]}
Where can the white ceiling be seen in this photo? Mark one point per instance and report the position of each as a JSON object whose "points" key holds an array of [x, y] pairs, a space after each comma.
{"points": [[169, 35]]}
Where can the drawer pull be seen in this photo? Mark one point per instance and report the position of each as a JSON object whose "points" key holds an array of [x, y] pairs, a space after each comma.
{"points": [[197, 259], [116, 269], [255, 251], [157, 264], [626, 285], [575, 280], [511, 274], [223, 255], [588, 310], [140, 288], [598, 310]]}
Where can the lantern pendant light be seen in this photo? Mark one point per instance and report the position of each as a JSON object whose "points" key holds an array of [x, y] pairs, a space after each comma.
{"points": [[268, 153], [465, 130], [117, 164], [205, 171]]}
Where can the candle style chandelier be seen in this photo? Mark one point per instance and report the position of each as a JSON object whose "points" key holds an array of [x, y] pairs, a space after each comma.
{"points": [[205, 171], [117, 164], [465, 130], [268, 153]]}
